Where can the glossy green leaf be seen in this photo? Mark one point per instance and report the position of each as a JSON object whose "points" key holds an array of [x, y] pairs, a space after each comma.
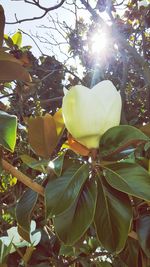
{"points": [[57, 164], [62, 192], [17, 39], [2, 25], [143, 232], [129, 178], [119, 138], [113, 217], [42, 135], [71, 225], [130, 254], [24, 210], [8, 128]]}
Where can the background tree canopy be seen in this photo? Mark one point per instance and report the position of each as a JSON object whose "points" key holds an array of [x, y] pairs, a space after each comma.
{"points": [[88, 212]]}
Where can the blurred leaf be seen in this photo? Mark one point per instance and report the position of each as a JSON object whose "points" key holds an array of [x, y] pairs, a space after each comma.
{"points": [[143, 232], [11, 69], [17, 39], [103, 264], [117, 262], [33, 163], [63, 191], [73, 223], [58, 118], [146, 129], [66, 251], [6, 181], [119, 138], [45, 264], [130, 253], [8, 128], [8, 41], [24, 210], [2, 25], [42, 135], [113, 217], [129, 178]]}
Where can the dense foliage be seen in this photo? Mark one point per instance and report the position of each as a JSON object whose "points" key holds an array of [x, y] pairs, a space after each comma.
{"points": [[91, 207]]}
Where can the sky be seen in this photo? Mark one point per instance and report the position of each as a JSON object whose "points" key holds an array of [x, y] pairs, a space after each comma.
{"points": [[24, 10]]}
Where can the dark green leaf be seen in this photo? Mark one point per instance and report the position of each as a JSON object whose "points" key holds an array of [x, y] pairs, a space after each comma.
{"points": [[113, 217], [33, 163], [66, 250], [57, 164], [24, 210], [62, 192], [130, 253], [73, 223], [119, 138], [143, 232], [129, 178], [8, 127]]}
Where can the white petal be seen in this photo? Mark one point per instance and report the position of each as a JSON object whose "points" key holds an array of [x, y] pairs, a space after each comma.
{"points": [[6, 240], [23, 243], [14, 235], [35, 238], [32, 226]]}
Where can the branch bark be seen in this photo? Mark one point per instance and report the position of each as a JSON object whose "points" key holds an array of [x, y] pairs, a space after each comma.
{"points": [[23, 178]]}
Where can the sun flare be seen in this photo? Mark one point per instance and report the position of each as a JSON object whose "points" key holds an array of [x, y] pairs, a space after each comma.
{"points": [[99, 43]]}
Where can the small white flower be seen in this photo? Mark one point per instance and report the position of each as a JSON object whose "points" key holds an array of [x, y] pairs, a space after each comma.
{"points": [[14, 238]]}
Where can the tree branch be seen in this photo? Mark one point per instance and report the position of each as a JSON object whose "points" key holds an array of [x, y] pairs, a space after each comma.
{"points": [[120, 38], [46, 10], [23, 178]]}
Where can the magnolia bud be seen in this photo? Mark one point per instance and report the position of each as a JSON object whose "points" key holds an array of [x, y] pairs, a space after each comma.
{"points": [[89, 113]]}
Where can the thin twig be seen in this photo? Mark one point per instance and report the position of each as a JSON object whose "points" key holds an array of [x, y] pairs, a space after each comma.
{"points": [[46, 10]]}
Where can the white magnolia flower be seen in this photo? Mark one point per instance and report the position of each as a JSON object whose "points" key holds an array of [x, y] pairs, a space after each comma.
{"points": [[14, 238], [89, 113]]}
